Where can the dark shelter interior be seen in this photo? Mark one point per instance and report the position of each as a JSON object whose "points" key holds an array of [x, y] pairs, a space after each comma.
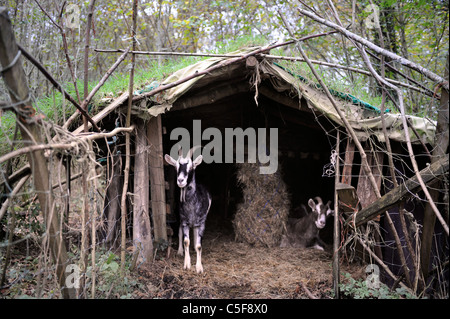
{"points": [[303, 146]]}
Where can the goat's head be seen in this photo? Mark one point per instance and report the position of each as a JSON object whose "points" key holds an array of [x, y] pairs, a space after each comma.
{"points": [[185, 166], [320, 211]]}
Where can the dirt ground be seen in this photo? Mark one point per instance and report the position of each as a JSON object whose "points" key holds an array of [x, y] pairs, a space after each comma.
{"points": [[237, 270]]}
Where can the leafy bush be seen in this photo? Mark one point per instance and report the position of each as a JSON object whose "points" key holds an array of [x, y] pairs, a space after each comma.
{"points": [[109, 282], [358, 289]]}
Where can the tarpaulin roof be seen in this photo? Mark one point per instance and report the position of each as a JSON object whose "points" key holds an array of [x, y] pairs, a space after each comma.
{"points": [[354, 109]]}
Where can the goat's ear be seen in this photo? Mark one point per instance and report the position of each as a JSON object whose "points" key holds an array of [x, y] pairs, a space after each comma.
{"points": [[197, 161], [169, 159], [304, 209], [330, 211], [312, 204]]}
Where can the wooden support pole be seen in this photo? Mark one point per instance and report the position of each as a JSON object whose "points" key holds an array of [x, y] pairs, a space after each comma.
{"points": [[366, 194], [348, 162], [142, 232], [157, 182], [15, 80], [336, 233], [440, 150]]}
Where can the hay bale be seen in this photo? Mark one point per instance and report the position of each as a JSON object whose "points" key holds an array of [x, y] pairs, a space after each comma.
{"points": [[261, 218]]}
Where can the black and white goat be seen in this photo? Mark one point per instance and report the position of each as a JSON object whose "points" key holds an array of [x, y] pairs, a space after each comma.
{"points": [[195, 202], [304, 232]]}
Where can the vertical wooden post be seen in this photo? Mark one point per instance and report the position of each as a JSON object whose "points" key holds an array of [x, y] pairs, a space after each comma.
{"points": [[441, 148], [157, 183], [348, 162], [126, 171], [366, 194], [336, 233], [16, 82], [142, 234]]}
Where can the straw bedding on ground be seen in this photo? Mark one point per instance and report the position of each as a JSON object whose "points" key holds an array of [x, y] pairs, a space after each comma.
{"points": [[239, 270]]}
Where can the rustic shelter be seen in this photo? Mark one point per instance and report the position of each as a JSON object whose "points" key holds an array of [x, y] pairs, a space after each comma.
{"points": [[256, 92]]}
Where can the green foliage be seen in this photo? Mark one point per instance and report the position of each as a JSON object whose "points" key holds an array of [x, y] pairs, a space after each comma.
{"points": [[28, 222], [358, 289], [109, 282]]}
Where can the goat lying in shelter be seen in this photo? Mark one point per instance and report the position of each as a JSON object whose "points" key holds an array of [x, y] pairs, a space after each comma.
{"points": [[304, 232], [195, 202]]}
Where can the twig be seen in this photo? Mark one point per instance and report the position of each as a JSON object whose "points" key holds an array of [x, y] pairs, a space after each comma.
{"points": [[408, 139], [67, 146], [60, 27], [342, 116], [12, 194], [103, 80], [427, 90], [97, 87], [308, 293], [392, 168], [93, 230], [171, 53], [377, 49], [86, 57], [382, 264], [210, 54], [57, 85], [338, 66], [127, 148]]}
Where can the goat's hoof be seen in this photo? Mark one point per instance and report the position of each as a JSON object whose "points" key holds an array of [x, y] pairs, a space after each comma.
{"points": [[187, 263], [199, 269], [180, 252]]}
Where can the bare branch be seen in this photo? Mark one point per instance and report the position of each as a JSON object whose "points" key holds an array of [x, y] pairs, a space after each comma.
{"points": [[66, 146], [407, 137], [57, 85], [377, 49], [13, 193], [86, 58], [422, 90]]}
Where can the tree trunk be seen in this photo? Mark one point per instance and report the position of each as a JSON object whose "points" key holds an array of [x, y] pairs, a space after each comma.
{"points": [[15, 80]]}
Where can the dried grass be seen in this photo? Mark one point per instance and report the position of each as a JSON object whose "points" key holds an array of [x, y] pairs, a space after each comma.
{"points": [[260, 219], [238, 270]]}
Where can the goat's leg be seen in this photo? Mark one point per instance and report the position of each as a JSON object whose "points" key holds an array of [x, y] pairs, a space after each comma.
{"points": [[198, 249], [318, 244], [187, 257], [180, 241]]}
